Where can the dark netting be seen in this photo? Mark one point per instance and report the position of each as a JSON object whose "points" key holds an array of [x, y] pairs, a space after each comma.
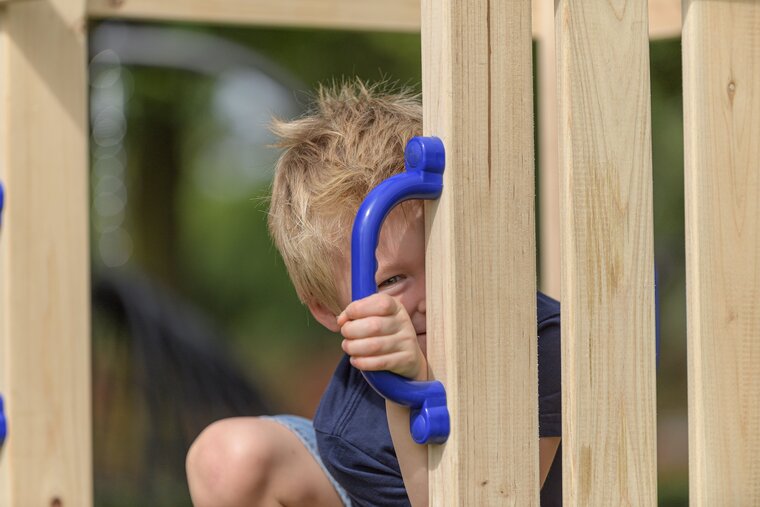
{"points": [[160, 376]]}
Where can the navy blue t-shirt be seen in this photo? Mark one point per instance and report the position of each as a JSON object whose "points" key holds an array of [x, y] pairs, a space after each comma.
{"points": [[355, 443]]}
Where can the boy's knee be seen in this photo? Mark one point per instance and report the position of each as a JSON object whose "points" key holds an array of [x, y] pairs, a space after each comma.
{"points": [[231, 463]]}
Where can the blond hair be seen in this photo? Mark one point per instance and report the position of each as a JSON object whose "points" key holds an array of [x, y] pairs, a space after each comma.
{"points": [[352, 139]]}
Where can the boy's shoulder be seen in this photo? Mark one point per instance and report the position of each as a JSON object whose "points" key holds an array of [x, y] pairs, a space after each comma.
{"points": [[351, 409], [354, 441]]}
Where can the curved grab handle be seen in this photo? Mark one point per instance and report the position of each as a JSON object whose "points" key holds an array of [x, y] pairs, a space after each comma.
{"points": [[423, 179]]}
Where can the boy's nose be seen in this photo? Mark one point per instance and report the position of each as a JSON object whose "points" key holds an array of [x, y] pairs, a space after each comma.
{"points": [[422, 306]]}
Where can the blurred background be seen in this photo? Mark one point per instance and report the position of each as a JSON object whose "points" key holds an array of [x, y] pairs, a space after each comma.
{"points": [[194, 318]]}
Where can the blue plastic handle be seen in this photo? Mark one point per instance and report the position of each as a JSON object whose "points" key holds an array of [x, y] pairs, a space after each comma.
{"points": [[3, 424], [423, 179]]}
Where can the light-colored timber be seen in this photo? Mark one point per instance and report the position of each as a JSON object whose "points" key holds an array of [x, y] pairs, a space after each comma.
{"points": [[44, 257], [481, 250], [721, 61], [548, 176], [385, 15], [608, 327], [395, 15]]}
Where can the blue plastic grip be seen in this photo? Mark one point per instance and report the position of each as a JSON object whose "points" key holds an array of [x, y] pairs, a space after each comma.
{"points": [[423, 179], [3, 424]]}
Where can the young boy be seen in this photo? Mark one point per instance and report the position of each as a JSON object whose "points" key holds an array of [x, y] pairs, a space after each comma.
{"points": [[352, 140]]}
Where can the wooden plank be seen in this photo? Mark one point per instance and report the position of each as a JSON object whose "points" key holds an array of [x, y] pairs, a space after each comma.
{"points": [[45, 329], [393, 15], [664, 22], [548, 165], [721, 61], [397, 15], [608, 329], [477, 96]]}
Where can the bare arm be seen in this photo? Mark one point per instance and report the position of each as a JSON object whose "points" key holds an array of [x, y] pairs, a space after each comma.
{"points": [[412, 457], [547, 449]]}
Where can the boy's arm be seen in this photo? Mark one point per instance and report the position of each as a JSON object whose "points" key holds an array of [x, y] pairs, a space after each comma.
{"points": [[547, 450], [412, 457]]}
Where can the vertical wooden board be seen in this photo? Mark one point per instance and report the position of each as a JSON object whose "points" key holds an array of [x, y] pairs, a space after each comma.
{"points": [[44, 334], [477, 96], [608, 330], [548, 179], [4, 473], [721, 61]]}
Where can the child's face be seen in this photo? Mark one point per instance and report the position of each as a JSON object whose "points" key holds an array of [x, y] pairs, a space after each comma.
{"points": [[400, 265]]}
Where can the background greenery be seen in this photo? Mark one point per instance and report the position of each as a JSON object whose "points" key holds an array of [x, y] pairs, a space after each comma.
{"points": [[214, 254]]}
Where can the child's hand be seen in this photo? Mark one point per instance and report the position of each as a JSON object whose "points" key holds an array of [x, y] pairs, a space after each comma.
{"points": [[379, 335]]}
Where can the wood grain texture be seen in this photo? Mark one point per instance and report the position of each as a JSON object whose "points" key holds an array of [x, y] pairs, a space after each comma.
{"points": [[608, 328], [45, 293], [721, 61], [396, 15], [392, 15], [548, 165], [664, 22], [477, 96]]}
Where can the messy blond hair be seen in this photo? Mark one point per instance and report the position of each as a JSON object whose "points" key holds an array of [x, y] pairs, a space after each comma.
{"points": [[351, 139]]}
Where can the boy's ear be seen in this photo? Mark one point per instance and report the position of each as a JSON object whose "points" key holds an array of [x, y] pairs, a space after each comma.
{"points": [[324, 316]]}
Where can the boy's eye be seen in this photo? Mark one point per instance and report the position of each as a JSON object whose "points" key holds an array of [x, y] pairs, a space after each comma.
{"points": [[391, 281]]}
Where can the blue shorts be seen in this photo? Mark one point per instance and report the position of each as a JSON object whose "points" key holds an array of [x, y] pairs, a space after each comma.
{"points": [[304, 430]]}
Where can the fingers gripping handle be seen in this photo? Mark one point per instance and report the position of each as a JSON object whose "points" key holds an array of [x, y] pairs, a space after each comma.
{"points": [[423, 179]]}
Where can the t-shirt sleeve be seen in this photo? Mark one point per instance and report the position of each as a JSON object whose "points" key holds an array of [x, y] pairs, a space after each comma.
{"points": [[549, 373], [367, 481]]}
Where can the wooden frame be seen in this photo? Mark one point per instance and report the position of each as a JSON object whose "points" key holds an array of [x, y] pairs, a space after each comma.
{"points": [[44, 271], [393, 15], [45, 298]]}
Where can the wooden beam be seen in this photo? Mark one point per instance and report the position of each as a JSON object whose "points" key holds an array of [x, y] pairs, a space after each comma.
{"points": [[608, 328], [477, 96], [721, 62], [548, 165], [391, 15], [44, 259], [397, 15]]}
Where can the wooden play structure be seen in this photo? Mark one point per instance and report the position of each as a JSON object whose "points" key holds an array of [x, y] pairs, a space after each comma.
{"points": [[478, 96]]}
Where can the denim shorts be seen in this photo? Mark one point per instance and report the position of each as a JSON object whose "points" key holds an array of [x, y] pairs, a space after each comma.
{"points": [[304, 430]]}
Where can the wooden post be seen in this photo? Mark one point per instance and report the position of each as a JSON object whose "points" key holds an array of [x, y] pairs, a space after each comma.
{"points": [[548, 178], [608, 328], [44, 258], [477, 96], [721, 61]]}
